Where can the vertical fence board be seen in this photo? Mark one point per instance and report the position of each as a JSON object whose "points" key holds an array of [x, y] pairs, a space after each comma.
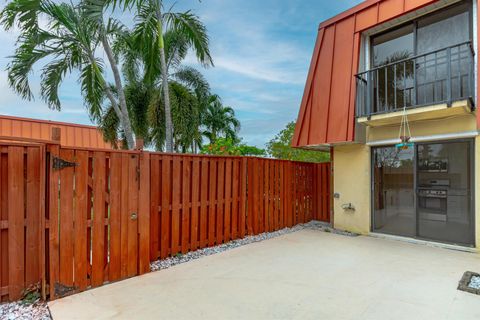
{"points": [[53, 221], [256, 194], [98, 228], [66, 220], [204, 204], [33, 223], [115, 267], [228, 200], [220, 201], [124, 216], [165, 219], [81, 256], [155, 229], [250, 193], [288, 195], [236, 198], [261, 196], [176, 193], [266, 196], [242, 216], [132, 225], [281, 204], [271, 197], [16, 216], [211, 201], [144, 215], [194, 219], [185, 226]]}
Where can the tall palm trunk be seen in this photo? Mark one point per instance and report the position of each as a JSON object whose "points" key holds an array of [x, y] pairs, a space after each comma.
{"points": [[123, 116], [166, 94]]}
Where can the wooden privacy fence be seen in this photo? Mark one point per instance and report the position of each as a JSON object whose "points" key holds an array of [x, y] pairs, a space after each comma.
{"points": [[201, 201], [73, 218]]}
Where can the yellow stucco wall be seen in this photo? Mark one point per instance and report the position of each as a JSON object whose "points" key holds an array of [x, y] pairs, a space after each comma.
{"points": [[351, 180], [454, 124], [352, 166]]}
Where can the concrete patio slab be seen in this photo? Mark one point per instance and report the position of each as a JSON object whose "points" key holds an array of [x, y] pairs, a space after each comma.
{"points": [[303, 275]]}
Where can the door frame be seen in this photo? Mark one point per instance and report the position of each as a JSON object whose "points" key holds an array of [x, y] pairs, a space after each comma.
{"points": [[472, 157]]}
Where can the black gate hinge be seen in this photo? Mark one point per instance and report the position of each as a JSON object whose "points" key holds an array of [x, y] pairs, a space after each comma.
{"points": [[59, 163]]}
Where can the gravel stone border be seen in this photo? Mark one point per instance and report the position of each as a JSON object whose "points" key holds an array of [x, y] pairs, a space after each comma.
{"points": [[19, 311], [182, 258], [475, 282], [39, 310], [470, 282]]}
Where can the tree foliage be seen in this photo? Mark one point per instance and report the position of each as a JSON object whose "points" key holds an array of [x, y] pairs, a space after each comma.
{"points": [[230, 147], [280, 147], [219, 120]]}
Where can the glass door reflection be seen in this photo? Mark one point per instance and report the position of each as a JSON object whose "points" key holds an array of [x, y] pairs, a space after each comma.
{"points": [[444, 189], [394, 203]]}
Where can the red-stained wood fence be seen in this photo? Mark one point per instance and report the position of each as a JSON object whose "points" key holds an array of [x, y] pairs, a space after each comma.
{"points": [[196, 202], [75, 218], [200, 201], [95, 199], [22, 182]]}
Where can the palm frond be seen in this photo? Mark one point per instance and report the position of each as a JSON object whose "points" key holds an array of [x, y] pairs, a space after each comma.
{"points": [[194, 80], [24, 12], [52, 76], [93, 86], [32, 49], [194, 31], [176, 48]]}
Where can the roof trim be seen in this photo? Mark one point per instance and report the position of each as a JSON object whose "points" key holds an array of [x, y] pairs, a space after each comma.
{"points": [[68, 124], [347, 13], [308, 85]]}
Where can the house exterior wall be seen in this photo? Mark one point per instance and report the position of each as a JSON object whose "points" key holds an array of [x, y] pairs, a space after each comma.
{"points": [[327, 110], [71, 135], [351, 167], [352, 171]]}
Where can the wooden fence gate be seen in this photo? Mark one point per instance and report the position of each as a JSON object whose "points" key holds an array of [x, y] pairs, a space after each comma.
{"points": [[22, 182], [94, 199]]}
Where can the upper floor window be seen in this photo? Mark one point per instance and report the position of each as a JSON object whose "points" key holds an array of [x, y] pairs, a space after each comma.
{"points": [[443, 29], [393, 46], [426, 61], [436, 31]]}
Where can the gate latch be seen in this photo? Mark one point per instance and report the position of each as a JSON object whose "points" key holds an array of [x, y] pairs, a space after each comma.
{"points": [[59, 163]]}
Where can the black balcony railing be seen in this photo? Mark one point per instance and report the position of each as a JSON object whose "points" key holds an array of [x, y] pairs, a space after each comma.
{"points": [[441, 76]]}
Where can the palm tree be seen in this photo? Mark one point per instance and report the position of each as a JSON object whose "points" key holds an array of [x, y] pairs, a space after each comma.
{"points": [[219, 121], [153, 23], [70, 41], [187, 87]]}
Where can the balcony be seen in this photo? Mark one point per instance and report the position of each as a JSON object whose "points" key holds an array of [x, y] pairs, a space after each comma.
{"points": [[438, 77]]}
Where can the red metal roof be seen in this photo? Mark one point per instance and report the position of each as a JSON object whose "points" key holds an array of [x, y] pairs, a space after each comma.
{"points": [[327, 110], [71, 134]]}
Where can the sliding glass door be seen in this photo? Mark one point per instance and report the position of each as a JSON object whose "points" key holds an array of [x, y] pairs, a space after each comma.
{"points": [[444, 192], [425, 192], [394, 199]]}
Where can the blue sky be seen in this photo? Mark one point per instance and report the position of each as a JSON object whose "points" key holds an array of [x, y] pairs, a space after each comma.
{"points": [[261, 51]]}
